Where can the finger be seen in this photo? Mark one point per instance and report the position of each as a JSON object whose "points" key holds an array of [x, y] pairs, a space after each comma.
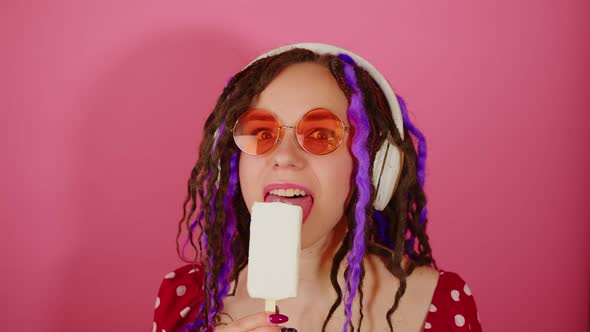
{"points": [[269, 329], [261, 319]]}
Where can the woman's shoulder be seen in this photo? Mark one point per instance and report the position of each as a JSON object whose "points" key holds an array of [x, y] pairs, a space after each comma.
{"points": [[440, 300], [179, 295], [421, 282], [453, 305], [451, 287]]}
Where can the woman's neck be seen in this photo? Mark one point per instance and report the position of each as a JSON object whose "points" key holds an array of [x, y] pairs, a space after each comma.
{"points": [[315, 263]]}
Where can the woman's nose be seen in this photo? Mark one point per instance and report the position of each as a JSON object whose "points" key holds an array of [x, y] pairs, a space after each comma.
{"points": [[288, 153]]}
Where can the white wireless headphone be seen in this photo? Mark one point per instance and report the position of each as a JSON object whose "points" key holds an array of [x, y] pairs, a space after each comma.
{"points": [[388, 160]]}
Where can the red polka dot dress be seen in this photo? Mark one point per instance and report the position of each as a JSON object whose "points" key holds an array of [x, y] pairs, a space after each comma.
{"points": [[178, 299], [452, 308]]}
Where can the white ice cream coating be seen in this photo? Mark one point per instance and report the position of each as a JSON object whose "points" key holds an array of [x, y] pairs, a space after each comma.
{"points": [[275, 243]]}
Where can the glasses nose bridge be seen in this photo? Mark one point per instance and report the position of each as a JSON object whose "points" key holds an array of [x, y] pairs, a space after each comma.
{"points": [[283, 129]]}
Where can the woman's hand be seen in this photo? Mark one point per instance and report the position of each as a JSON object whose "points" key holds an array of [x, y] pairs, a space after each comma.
{"points": [[260, 322]]}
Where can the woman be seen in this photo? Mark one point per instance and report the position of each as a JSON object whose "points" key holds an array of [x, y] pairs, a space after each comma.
{"points": [[316, 126]]}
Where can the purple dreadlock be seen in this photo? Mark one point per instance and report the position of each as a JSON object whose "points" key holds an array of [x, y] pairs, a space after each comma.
{"points": [[229, 229], [358, 118]]}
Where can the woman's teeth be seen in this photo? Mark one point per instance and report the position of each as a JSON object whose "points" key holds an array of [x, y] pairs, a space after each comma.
{"points": [[288, 192]]}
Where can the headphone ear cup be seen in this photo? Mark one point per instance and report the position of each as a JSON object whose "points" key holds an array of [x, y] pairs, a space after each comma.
{"points": [[386, 171]]}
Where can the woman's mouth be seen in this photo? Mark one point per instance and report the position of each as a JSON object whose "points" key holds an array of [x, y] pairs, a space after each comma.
{"points": [[291, 195]]}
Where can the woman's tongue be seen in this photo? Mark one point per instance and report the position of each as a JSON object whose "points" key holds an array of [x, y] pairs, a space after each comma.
{"points": [[305, 202]]}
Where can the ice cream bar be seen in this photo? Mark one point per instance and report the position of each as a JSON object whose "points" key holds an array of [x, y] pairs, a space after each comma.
{"points": [[273, 260]]}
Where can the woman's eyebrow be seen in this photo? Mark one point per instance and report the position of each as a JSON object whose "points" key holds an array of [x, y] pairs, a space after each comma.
{"points": [[261, 116], [270, 116], [317, 116]]}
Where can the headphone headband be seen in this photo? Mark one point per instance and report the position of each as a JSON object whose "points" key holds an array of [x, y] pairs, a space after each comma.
{"points": [[375, 74]]}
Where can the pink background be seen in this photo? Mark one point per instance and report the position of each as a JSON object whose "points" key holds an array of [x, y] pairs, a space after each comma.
{"points": [[102, 105]]}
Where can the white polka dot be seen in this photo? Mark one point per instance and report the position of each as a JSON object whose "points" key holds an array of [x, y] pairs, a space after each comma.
{"points": [[155, 327], [170, 275], [442, 272], [467, 290], [432, 308], [185, 311], [459, 320], [193, 270], [455, 294], [181, 290], [157, 302], [427, 326], [163, 330]]}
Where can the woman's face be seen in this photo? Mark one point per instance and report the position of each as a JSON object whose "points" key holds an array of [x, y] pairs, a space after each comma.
{"points": [[296, 90]]}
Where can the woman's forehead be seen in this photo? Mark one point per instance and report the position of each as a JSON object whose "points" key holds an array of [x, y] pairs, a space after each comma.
{"points": [[299, 88]]}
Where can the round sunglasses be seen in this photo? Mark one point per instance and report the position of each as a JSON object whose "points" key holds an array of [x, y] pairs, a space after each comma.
{"points": [[319, 131]]}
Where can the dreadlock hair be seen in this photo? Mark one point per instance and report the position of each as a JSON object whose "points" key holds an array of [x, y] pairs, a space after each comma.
{"points": [[223, 219]]}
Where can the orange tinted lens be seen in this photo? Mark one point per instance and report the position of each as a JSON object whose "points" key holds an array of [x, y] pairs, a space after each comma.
{"points": [[256, 132], [320, 131]]}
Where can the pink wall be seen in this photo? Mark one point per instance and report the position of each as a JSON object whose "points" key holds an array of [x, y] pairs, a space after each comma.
{"points": [[102, 104]]}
